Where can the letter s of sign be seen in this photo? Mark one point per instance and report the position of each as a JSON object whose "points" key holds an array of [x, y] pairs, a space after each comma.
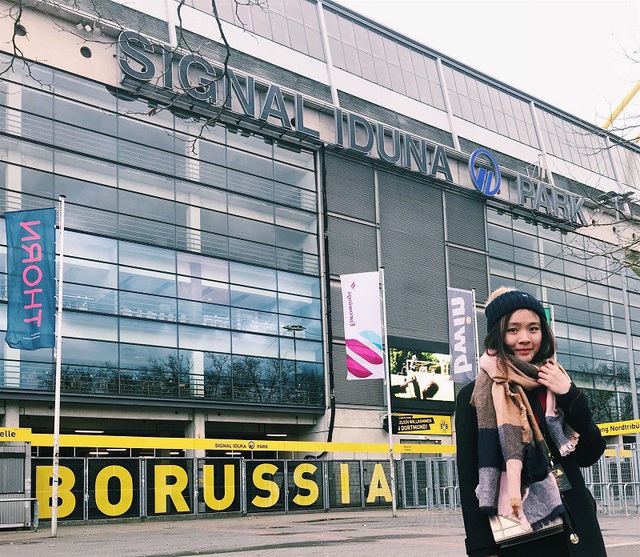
{"points": [[131, 46], [265, 484]]}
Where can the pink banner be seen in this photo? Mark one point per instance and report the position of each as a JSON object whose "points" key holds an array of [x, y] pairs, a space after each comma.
{"points": [[363, 325]]}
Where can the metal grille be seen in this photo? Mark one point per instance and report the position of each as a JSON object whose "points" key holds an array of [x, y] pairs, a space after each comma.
{"points": [[350, 188], [412, 235], [123, 16], [465, 221], [341, 476], [254, 66], [422, 482], [506, 161], [468, 270], [614, 481], [337, 321], [11, 473], [430, 483], [352, 247], [15, 479]]}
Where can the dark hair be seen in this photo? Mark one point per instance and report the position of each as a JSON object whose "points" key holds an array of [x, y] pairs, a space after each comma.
{"points": [[494, 341]]}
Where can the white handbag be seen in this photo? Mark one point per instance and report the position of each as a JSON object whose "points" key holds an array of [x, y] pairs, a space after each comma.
{"points": [[508, 530]]}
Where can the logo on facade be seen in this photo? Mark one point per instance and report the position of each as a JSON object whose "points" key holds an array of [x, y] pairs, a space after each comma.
{"points": [[485, 180]]}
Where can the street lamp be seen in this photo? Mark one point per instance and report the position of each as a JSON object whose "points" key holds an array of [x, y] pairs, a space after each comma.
{"points": [[293, 329]]}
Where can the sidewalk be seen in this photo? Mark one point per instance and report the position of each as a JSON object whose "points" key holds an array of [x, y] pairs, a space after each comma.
{"points": [[373, 533]]}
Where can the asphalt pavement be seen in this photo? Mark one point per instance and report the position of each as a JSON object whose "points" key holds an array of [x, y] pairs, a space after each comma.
{"points": [[372, 533]]}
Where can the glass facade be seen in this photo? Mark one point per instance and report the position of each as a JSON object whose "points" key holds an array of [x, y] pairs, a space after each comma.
{"points": [[489, 107], [628, 165], [585, 291], [291, 23], [387, 60], [573, 143], [190, 250], [367, 53]]}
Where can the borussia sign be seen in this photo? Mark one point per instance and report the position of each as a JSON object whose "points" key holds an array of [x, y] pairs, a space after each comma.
{"points": [[620, 428], [421, 424]]}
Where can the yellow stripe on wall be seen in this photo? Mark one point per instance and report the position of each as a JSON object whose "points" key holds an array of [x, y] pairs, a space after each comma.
{"points": [[131, 442]]}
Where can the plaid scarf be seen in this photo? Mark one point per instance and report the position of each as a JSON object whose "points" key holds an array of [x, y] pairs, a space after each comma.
{"points": [[513, 457]]}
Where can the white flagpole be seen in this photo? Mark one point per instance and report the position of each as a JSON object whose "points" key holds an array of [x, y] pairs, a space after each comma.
{"points": [[58, 359], [387, 383]]}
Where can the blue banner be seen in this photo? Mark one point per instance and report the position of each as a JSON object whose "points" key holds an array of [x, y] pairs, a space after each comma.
{"points": [[31, 255]]}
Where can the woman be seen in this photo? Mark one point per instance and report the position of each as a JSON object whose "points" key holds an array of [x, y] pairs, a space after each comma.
{"points": [[522, 402]]}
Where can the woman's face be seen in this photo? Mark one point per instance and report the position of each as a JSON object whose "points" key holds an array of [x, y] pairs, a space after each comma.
{"points": [[524, 335]]}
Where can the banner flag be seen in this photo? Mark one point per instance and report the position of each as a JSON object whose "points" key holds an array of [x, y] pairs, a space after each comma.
{"points": [[462, 335], [31, 254], [363, 325]]}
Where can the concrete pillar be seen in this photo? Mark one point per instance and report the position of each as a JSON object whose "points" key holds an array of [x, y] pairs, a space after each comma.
{"points": [[11, 416], [196, 429]]}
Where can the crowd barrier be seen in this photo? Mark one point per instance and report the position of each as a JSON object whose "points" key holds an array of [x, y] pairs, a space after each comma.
{"points": [[103, 488], [99, 488]]}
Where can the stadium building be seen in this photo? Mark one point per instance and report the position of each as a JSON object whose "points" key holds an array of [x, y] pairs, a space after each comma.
{"points": [[215, 194]]}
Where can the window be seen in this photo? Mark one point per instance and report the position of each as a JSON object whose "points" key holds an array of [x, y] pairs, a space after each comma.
{"points": [[293, 23], [573, 143], [367, 53], [489, 107]]}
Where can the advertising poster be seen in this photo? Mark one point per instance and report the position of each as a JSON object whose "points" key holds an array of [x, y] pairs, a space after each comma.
{"points": [[265, 486], [305, 485], [169, 486], [420, 381], [114, 487], [219, 488]]}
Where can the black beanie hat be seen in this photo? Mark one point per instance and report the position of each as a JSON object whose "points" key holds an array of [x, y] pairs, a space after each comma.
{"points": [[510, 301]]}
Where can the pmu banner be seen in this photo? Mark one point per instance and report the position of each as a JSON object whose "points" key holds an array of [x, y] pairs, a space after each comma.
{"points": [[362, 325], [31, 257], [462, 335]]}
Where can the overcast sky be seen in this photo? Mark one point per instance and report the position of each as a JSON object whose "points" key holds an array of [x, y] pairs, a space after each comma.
{"points": [[578, 55]]}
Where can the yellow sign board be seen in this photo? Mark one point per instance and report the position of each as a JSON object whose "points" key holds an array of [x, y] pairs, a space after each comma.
{"points": [[14, 434], [421, 424], [620, 428], [624, 453]]}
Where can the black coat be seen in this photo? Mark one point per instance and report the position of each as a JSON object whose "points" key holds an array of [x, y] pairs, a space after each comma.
{"points": [[578, 500]]}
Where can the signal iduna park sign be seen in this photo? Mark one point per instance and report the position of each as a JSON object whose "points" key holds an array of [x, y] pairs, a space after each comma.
{"points": [[193, 83]]}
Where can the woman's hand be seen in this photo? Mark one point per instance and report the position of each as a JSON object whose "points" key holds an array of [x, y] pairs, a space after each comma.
{"points": [[553, 378]]}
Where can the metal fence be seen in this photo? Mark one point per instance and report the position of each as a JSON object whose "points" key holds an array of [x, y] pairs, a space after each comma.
{"points": [[614, 482], [17, 507], [97, 488]]}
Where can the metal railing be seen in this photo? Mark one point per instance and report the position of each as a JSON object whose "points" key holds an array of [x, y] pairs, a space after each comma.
{"points": [[614, 482], [254, 380], [15, 515], [421, 483]]}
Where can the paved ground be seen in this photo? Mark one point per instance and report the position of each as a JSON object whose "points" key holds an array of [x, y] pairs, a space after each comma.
{"points": [[372, 533]]}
